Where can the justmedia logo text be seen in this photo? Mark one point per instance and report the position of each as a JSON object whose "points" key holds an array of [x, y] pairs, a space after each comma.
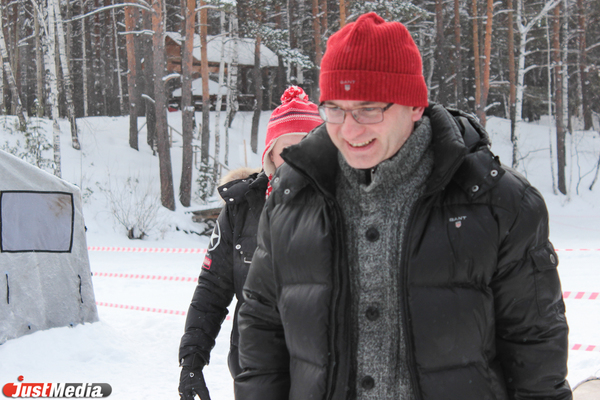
{"points": [[69, 390]]}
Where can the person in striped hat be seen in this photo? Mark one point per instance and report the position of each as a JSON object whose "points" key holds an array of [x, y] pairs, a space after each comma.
{"points": [[232, 244]]}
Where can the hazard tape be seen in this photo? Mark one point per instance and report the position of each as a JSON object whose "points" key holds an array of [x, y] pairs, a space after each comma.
{"points": [[581, 295], [150, 277], [148, 309], [566, 295], [581, 347], [576, 249], [585, 347], [147, 249]]}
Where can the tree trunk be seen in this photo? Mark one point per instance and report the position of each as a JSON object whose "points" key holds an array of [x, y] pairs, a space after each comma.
{"points": [[520, 86], [258, 94], [10, 76], [583, 63], [205, 94], [187, 108], [458, 87], [486, 63], [117, 63], [318, 51], [164, 152], [342, 13], [151, 138], [51, 76], [441, 68], [549, 92], [558, 98], [219, 104], [232, 90], [66, 71], [39, 66], [476, 57], [130, 24], [84, 66], [511, 68]]}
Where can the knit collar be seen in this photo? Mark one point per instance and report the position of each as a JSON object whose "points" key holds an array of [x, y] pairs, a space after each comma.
{"points": [[396, 170]]}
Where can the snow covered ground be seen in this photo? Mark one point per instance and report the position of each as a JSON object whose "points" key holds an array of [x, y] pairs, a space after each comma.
{"points": [[136, 351]]}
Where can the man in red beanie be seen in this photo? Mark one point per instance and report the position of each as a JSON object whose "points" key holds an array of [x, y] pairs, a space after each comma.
{"points": [[397, 258]]}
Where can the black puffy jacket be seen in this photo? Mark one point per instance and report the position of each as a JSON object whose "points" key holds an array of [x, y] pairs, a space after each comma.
{"points": [[483, 317], [224, 271]]}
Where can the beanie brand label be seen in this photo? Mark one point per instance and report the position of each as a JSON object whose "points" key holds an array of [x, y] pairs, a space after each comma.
{"points": [[347, 84]]}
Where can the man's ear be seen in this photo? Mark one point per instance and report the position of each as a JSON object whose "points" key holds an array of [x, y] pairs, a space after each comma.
{"points": [[417, 113], [271, 155]]}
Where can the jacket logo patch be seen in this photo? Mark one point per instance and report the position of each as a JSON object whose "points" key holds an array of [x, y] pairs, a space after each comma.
{"points": [[206, 263], [458, 220], [215, 238]]}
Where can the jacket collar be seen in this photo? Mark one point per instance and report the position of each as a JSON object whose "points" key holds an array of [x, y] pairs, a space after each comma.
{"points": [[315, 157]]}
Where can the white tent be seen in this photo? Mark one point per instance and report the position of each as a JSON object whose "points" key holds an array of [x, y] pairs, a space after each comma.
{"points": [[45, 279]]}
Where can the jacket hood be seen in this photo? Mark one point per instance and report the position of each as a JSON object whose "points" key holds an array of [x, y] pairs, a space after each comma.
{"points": [[235, 190]]}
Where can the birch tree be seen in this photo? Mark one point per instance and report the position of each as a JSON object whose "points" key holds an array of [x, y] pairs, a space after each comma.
{"points": [[205, 94], [50, 60], [66, 72], [524, 30], [188, 110], [232, 77], [117, 63], [39, 65], [8, 70], [219, 102], [164, 152], [84, 66], [130, 17]]}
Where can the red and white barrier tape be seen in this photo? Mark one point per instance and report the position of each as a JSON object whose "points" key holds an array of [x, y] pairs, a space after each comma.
{"points": [[150, 277], [581, 295], [566, 295], [149, 309], [576, 249], [585, 347], [146, 249]]}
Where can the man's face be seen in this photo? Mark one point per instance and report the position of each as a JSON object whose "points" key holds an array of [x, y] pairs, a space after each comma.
{"points": [[366, 145]]}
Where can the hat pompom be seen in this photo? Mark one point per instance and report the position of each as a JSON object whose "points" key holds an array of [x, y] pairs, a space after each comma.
{"points": [[296, 115], [293, 92]]}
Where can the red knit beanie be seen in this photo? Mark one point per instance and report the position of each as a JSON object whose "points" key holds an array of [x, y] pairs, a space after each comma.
{"points": [[295, 116], [373, 60]]}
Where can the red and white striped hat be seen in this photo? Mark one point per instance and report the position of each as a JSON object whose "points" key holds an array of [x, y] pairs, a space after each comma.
{"points": [[295, 116]]}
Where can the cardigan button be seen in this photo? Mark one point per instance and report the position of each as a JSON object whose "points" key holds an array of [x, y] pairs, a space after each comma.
{"points": [[475, 189], [494, 173], [367, 383], [372, 313], [372, 234], [238, 246]]}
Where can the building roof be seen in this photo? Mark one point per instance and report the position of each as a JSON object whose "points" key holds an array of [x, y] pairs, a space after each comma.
{"points": [[245, 49]]}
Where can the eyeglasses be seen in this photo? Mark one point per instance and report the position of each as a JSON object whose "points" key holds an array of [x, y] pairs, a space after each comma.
{"points": [[364, 115]]}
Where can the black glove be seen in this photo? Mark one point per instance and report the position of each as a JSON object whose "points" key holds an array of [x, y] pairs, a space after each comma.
{"points": [[191, 383]]}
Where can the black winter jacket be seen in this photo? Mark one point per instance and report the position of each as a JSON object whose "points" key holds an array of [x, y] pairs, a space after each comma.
{"points": [[483, 310], [224, 271]]}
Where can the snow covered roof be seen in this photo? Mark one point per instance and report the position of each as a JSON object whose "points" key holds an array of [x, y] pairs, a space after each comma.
{"points": [[245, 50], [213, 88]]}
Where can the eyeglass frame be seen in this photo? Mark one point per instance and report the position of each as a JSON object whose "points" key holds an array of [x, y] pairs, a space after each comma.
{"points": [[322, 108]]}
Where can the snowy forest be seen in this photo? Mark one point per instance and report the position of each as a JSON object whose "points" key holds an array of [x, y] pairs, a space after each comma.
{"points": [[515, 59]]}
